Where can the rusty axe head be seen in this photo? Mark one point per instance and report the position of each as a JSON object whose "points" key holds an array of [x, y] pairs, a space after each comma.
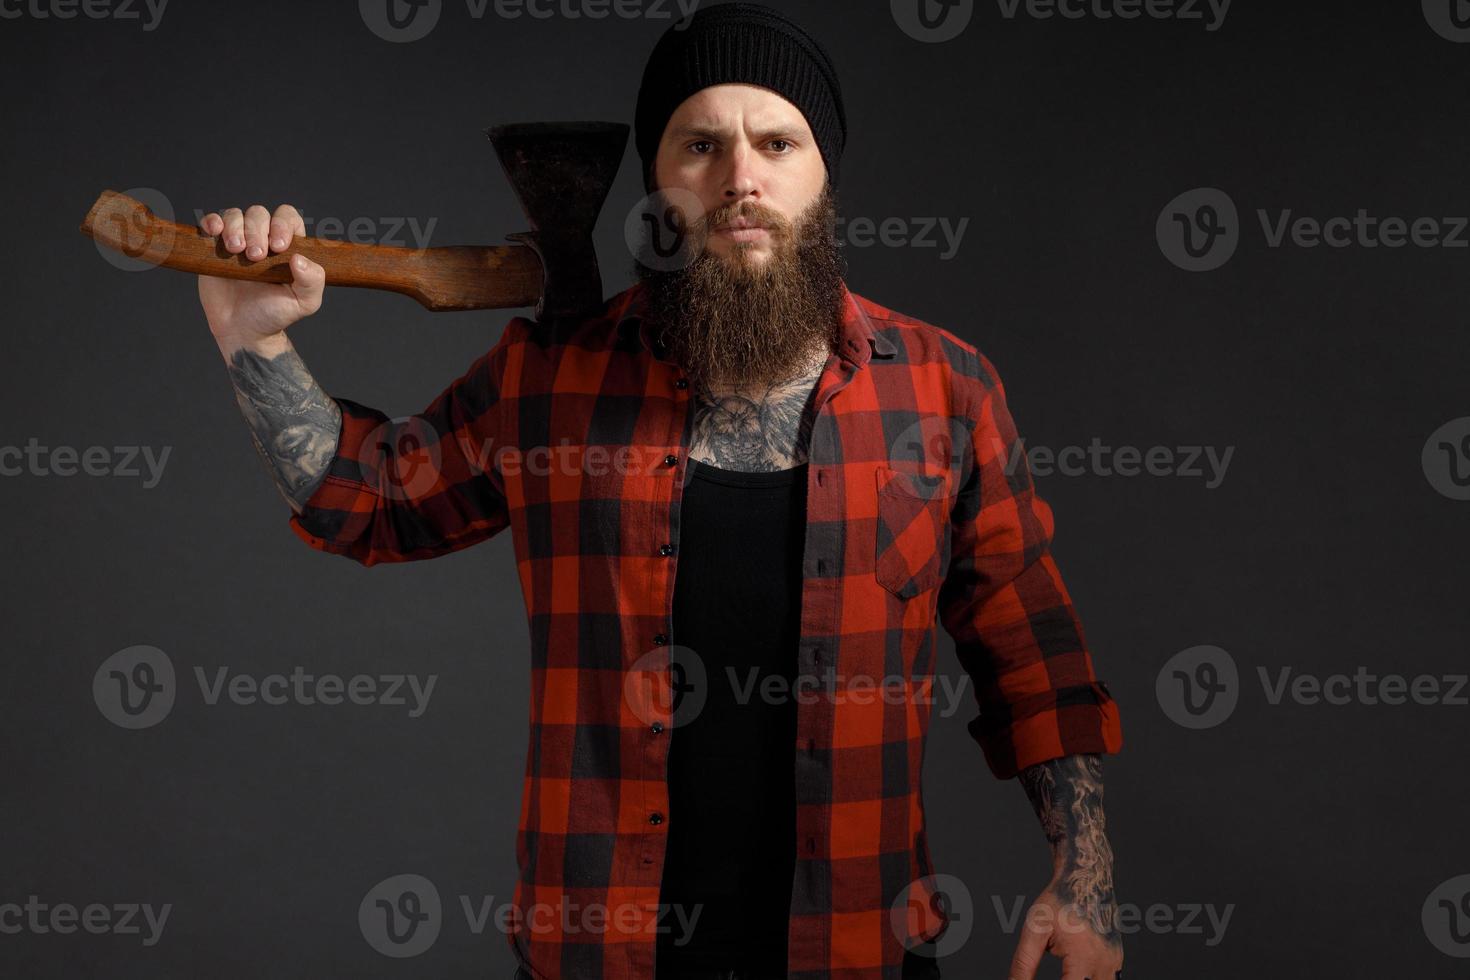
{"points": [[561, 173]]}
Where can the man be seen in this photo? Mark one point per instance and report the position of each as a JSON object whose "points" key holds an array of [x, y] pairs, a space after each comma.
{"points": [[826, 476]]}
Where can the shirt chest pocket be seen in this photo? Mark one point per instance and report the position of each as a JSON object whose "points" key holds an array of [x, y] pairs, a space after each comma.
{"points": [[912, 531]]}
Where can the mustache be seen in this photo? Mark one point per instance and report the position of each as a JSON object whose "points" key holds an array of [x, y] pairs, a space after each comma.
{"points": [[757, 214]]}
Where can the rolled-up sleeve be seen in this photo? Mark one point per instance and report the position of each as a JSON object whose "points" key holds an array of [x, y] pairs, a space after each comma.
{"points": [[416, 487], [1003, 601]]}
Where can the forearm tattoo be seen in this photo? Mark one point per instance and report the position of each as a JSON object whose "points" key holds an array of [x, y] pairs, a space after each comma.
{"points": [[1067, 795], [755, 429], [293, 422]]}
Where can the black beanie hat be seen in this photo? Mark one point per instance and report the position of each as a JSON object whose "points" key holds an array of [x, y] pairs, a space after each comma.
{"points": [[740, 42]]}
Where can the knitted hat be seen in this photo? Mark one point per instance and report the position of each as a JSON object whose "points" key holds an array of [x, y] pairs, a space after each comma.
{"points": [[740, 43]]}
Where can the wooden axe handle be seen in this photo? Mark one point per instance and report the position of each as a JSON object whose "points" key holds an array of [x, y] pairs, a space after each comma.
{"points": [[463, 277]]}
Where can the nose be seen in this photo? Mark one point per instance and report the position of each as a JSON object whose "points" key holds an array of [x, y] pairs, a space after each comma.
{"points": [[742, 180]]}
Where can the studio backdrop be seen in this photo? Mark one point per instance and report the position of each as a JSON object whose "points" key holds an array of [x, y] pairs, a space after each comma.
{"points": [[1217, 250]]}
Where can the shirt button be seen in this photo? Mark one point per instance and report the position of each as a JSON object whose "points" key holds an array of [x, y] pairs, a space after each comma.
{"points": [[658, 727], [655, 818], [682, 383], [660, 639], [666, 549], [671, 460]]}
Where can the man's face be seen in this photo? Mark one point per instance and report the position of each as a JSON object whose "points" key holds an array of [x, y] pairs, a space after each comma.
{"points": [[753, 306], [750, 158]]}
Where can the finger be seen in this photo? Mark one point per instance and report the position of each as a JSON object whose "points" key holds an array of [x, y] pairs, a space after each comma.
{"points": [[1074, 969], [234, 230], [1028, 954], [285, 223], [308, 281], [212, 223], [257, 228]]}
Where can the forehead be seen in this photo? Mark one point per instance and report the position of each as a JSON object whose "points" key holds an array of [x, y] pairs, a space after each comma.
{"points": [[748, 105]]}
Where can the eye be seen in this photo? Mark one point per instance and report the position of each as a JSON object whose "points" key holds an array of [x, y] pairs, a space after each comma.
{"points": [[699, 143], [782, 142]]}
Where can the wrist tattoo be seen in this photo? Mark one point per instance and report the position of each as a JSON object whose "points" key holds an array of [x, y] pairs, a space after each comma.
{"points": [[293, 422], [1067, 795]]}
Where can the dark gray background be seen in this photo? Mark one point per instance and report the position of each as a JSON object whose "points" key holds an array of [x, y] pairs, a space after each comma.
{"points": [[1325, 548]]}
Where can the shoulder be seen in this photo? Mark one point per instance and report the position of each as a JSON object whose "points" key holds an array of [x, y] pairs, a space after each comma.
{"points": [[609, 326], [920, 342]]}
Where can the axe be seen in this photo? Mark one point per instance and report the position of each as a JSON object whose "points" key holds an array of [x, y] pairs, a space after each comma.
{"points": [[561, 174]]}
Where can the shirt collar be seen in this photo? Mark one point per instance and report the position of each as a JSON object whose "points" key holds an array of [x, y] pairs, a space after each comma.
{"points": [[860, 340]]}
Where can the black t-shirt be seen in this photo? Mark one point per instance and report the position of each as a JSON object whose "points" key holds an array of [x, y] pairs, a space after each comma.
{"points": [[732, 808]]}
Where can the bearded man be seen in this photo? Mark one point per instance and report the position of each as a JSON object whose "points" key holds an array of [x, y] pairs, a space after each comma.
{"points": [[740, 496]]}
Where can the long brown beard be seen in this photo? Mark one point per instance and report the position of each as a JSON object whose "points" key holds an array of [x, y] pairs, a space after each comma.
{"points": [[734, 321]]}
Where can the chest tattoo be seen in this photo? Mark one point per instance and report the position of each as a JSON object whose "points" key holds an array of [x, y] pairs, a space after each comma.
{"points": [[755, 428]]}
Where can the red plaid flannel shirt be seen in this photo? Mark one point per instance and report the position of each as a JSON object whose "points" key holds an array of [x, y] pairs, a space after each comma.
{"points": [[575, 436]]}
